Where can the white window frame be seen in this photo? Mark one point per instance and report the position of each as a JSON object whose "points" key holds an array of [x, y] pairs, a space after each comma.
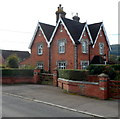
{"points": [[101, 49], [40, 49], [83, 66], [84, 46], [61, 27], [61, 65], [61, 46], [40, 65]]}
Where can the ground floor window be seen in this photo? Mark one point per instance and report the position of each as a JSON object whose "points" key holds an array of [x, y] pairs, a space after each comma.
{"points": [[84, 64], [40, 65], [61, 64]]}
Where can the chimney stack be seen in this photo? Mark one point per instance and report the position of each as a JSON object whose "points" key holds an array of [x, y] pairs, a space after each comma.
{"points": [[60, 13], [76, 18]]}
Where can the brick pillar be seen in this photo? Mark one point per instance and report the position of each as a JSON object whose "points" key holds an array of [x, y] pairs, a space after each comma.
{"points": [[103, 86], [36, 77], [55, 77]]}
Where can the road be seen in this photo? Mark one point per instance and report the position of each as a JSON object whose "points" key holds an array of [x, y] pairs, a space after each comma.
{"points": [[17, 107]]}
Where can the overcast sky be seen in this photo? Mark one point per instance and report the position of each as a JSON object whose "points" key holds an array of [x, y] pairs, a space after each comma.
{"points": [[18, 18]]}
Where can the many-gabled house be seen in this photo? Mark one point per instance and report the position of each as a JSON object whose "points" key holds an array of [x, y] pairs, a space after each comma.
{"points": [[70, 44]]}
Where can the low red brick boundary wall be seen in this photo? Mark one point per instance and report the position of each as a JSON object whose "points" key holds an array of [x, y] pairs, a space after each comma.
{"points": [[15, 80], [91, 89], [21, 79]]}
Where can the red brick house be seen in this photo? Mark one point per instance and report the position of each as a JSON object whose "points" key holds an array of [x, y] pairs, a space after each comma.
{"points": [[39, 47], [70, 44]]}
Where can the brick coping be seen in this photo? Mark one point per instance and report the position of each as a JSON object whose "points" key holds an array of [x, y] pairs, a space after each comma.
{"points": [[84, 82]]}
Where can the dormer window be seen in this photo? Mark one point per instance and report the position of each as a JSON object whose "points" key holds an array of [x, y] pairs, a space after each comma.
{"points": [[84, 46], [40, 33], [101, 48], [84, 34], [100, 33], [40, 49], [61, 27]]}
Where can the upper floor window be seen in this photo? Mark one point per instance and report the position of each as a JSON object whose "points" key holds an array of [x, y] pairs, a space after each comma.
{"points": [[84, 47], [61, 46], [101, 48], [39, 33], [40, 49], [61, 27], [61, 64]]}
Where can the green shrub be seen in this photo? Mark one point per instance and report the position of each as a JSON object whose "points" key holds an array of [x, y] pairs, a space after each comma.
{"points": [[17, 72], [96, 69], [117, 76], [13, 61], [110, 70], [76, 75], [116, 67]]}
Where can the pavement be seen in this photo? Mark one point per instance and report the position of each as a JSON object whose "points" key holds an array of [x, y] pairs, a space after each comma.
{"points": [[55, 96]]}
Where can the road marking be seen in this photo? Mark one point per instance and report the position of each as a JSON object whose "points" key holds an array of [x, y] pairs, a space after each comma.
{"points": [[51, 104]]}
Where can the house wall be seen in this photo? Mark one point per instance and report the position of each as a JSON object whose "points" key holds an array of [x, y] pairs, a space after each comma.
{"points": [[83, 56], [34, 58], [95, 50], [68, 56]]}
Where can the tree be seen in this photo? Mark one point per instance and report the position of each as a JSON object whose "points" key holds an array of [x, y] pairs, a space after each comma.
{"points": [[13, 61]]}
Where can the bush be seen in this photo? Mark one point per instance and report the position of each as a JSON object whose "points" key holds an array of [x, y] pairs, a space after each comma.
{"points": [[13, 61], [16, 72], [116, 67], [110, 70], [117, 76], [96, 69], [76, 75]]}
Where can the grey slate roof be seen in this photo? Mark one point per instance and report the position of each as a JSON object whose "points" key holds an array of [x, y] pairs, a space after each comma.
{"points": [[47, 29], [75, 28], [94, 29], [21, 54]]}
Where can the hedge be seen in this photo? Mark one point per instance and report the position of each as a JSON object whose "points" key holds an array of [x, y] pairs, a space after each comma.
{"points": [[76, 75], [110, 70], [17, 72]]}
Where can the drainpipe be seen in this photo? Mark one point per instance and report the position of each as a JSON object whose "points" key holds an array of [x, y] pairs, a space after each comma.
{"points": [[89, 52], [75, 57], [49, 59]]}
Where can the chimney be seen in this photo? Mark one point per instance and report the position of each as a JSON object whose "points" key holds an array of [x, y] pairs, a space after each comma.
{"points": [[60, 13], [76, 18]]}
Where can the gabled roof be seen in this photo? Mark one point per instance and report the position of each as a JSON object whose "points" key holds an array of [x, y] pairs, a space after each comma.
{"points": [[94, 29], [46, 29], [75, 28], [21, 54]]}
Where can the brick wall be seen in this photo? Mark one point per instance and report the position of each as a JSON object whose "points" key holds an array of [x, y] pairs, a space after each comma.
{"points": [[83, 56], [92, 89], [34, 58], [68, 56], [95, 50]]}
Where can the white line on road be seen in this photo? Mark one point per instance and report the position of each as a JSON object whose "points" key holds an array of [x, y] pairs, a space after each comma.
{"points": [[60, 106]]}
